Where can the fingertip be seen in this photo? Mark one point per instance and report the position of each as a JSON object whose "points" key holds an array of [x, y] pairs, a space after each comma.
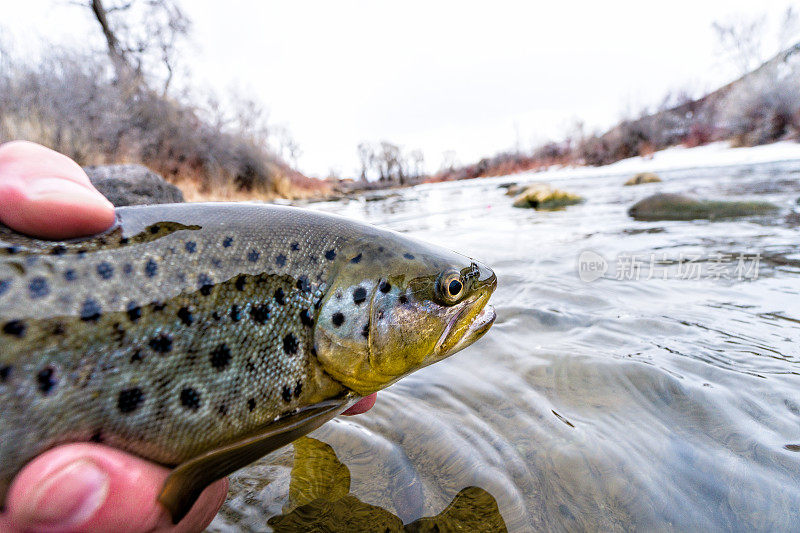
{"points": [[90, 487], [46, 194]]}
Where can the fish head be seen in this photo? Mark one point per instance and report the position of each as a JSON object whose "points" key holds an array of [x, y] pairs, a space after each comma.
{"points": [[396, 305]]}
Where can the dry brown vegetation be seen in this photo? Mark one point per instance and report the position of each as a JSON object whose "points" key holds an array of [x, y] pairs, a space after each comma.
{"points": [[103, 108]]}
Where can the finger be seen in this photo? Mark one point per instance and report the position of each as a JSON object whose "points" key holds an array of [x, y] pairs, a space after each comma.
{"points": [[90, 487], [46, 194]]}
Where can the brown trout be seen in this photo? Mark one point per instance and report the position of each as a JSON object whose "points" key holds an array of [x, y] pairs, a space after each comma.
{"points": [[203, 336]]}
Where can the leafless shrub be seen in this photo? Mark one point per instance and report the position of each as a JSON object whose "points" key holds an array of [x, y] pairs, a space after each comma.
{"points": [[764, 109], [71, 103]]}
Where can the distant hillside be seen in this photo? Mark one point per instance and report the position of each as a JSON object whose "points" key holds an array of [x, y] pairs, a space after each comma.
{"points": [[761, 107]]}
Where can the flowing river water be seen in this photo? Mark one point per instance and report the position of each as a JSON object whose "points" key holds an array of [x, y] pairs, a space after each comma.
{"points": [[663, 395]]}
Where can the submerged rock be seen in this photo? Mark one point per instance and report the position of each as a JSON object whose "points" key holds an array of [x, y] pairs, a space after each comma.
{"points": [[132, 185], [678, 207], [643, 177], [542, 196]]}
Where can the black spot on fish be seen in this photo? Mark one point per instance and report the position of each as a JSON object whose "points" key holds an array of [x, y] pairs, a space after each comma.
{"points": [[136, 356], [123, 240], [240, 283], [90, 310], [338, 295], [365, 331], [105, 270], [159, 306], [356, 259], [236, 314], [190, 399], [381, 249], [46, 380], [286, 393], [161, 344], [38, 287], [190, 246], [290, 344], [58, 328], [127, 269], [81, 254], [359, 295], [215, 316], [151, 268], [227, 242], [298, 388], [251, 404], [280, 260], [15, 328], [222, 409], [253, 256], [250, 367], [385, 287], [5, 371], [337, 319], [216, 262], [154, 229], [129, 400], [279, 296], [134, 312], [205, 283], [403, 299], [408, 256], [70, 275], [305, 318], [303, 284], [260, 313], [295, 246], [11, 250], [330, 255], [220, 356], [97, 437], [186, 316], [58, 249]]}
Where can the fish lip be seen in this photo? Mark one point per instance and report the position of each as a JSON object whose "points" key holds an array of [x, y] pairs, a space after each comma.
{"points": [[477, 327]]}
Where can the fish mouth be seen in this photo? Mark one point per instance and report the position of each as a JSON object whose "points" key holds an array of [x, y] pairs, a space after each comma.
{"points": [[468, 325]]}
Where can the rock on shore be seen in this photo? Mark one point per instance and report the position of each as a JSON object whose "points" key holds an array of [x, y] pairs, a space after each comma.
{"points": [[132, 185]]}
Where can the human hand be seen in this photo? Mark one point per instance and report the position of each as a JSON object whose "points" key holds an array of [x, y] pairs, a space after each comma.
{"points": [[82, 486]]}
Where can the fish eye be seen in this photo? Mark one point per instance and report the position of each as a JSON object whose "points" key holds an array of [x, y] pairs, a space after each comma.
{"points": [[450, 287]]}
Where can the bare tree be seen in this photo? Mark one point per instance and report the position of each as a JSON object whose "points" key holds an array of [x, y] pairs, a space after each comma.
{"points": [[417, 163], [743, 40], [142, 38], [449, 160], [366, 158], [789, 32]]}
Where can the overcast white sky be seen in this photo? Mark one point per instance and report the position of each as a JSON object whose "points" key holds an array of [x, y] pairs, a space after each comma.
{"points": [[471, 77]]}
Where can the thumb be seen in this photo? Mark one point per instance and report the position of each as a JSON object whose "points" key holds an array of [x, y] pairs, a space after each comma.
{"points": [[46, 194], [90, 487]]}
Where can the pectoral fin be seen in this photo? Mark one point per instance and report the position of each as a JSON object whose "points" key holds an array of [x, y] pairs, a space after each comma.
{"points": [[189, 479]]}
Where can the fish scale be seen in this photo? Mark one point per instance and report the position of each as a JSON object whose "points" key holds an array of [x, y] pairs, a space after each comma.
{"points": [[187, 328]]}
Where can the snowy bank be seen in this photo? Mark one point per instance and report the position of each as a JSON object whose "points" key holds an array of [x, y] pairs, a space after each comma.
{"points": [[713, 155]]}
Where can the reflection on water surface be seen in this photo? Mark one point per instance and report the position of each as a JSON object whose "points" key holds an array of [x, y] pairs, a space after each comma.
{"points": [[661, 403]]}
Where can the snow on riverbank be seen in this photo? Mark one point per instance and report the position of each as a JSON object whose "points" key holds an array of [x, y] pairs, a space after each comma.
{"points": [[718, 154]]}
